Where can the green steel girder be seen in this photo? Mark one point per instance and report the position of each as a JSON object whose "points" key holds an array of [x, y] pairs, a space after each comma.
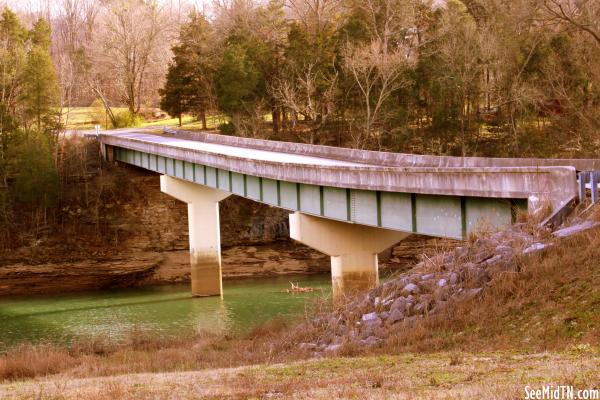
{"points": [[434, 215]]}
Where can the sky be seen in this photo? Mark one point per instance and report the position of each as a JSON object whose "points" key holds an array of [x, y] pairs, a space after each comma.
{"points": [[39, 5]]}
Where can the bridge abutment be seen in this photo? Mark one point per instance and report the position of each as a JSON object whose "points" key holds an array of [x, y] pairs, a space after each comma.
{"points": [[204, 233], [353, 249]]}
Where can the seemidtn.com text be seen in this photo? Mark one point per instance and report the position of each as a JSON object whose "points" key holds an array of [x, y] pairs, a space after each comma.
{"points": [[560, 392]]}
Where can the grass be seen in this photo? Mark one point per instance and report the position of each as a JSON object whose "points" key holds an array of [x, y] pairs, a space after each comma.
{"points": [[429, 376], [83, 118]]}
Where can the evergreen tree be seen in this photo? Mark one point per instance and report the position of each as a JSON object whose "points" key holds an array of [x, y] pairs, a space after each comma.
{"points": [[173, 95], [12, 60], [40, 82], [189, 83], [239, 80]]}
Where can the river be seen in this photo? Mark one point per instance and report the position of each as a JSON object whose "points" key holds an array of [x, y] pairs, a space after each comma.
{"points": [[161, 310]]}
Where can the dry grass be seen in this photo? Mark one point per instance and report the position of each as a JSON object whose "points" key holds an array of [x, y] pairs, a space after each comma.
{"points": [[28, 361], [408, 376]]}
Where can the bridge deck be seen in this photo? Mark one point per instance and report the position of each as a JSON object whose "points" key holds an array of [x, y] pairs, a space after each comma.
{"points": [[357, 186], [236, 151]]}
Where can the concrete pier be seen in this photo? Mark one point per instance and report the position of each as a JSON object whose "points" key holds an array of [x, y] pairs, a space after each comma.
{"points": [[353, 249], [204, 234]]}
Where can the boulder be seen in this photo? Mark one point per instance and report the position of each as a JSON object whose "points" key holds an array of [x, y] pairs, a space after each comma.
{"points": [[427, 277], [503, 249], [454, 278], [571, 230], [535, 248], [369, 317], [401, 304], [411, 288], [395, 316], [371, 341], [332, 348], [307, 346], [494, 259]]}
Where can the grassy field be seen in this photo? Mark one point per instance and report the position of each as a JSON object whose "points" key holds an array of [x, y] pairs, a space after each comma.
{"points": [[84, 118], [407, 376]]}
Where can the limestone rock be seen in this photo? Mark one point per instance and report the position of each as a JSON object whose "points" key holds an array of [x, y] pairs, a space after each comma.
{"points": [[454, 278], [571, 230], [369, 317], [535, 248], [401, 304], [411, 288], [332, 348], [395, 316], [370, 341]]}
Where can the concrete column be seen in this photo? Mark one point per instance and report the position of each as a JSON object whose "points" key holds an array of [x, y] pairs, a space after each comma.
{"points": [[204, 233], [353, 249]]}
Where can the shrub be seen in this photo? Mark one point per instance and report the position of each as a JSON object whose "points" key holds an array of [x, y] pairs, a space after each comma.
{"points": [[124, 119], [227, 128]]}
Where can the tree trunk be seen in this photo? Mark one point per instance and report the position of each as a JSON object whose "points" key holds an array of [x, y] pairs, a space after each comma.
{"points": [[203, 119], [107, 108], [179, 119], [275, 114], [284, 118]]}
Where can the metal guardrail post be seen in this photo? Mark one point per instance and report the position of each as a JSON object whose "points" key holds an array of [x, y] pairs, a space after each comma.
{"points": [[583, 178], [594, 185]]}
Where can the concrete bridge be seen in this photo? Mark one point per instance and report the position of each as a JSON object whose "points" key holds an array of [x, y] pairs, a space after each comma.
{"points": [[349, 204]]}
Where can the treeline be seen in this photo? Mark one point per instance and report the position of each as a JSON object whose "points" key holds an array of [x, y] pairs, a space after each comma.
{"points": [[29, 121], [468, 77]]}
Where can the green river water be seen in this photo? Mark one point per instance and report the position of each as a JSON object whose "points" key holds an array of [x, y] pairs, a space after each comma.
{"points": [[161, 310]]}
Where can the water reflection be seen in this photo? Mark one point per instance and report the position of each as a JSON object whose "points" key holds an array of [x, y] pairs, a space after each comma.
{"points": [[163, 310]]}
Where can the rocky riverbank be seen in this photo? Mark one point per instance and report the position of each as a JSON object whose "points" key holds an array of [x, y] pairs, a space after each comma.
{"points": [[153, 268], [144, 268], [435, 287]]}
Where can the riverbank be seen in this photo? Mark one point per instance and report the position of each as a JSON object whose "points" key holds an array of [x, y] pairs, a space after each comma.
{"points": [[440, 375], [156, 268], [103, 270]]}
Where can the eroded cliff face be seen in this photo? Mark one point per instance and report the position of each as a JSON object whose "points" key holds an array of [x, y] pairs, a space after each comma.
{"points": [[152, 220], [121, 230]]}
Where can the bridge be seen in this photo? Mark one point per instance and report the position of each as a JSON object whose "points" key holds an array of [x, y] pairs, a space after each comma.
{"points": [[349, 204]]}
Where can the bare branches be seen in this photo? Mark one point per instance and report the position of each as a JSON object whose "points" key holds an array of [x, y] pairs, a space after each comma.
{"points": [[308, 92], [317, 16], [582, 15], [378, 72]]}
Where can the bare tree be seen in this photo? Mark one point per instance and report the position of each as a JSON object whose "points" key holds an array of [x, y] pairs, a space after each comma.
{"points": [[461, 50], [583, 15], [377, 73], [317, 16], [300, 93], [132, 31]]}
